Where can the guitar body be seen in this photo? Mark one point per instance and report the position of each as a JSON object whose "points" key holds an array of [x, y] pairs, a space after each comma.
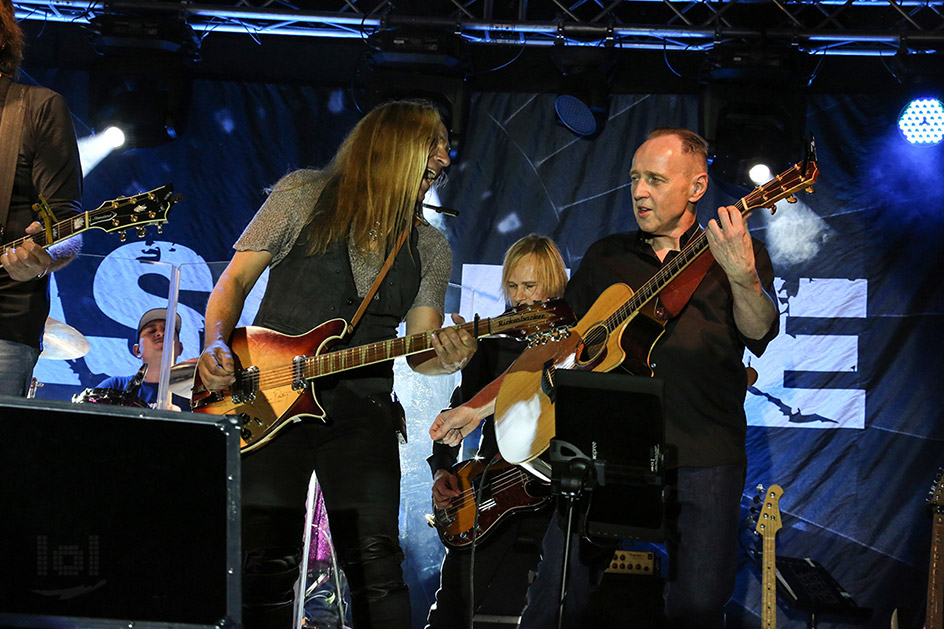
{"points": [[524, 408], [270, 409], [508, 490]]}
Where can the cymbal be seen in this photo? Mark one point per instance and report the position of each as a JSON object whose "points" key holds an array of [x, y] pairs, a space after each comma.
{"points": [[181, 377], [62, 341]]}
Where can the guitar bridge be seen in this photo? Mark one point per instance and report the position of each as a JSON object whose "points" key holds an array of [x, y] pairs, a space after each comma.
{"points": [[298, 373], [246, 385]]}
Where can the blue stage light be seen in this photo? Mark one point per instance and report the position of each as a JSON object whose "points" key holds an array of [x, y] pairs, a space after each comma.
{"points": [[922, 121]]}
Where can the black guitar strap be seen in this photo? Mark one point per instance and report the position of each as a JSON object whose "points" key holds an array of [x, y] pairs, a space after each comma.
{"points": [[11, 133]]}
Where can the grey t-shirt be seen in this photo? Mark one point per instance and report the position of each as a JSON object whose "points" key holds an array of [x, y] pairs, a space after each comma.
{"points": [[279, 221]]}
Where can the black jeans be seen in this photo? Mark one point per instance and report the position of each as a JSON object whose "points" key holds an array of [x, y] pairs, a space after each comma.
{"points": [[500, 554], [703, 512], [357, 461]]}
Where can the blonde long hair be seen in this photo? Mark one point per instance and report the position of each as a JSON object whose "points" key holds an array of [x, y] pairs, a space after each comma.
{"points": [[374, 179]]}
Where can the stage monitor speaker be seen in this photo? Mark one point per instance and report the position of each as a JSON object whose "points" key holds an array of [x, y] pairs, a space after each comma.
{"points": [[117, 516], [616, 421]]}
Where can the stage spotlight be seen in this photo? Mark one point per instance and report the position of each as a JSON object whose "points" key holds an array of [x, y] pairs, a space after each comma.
{"points": [[114, 136], [582, 104], [922, 121], [753, 111], [575, 114], [759, 174], [420, 64], [94, 148]]}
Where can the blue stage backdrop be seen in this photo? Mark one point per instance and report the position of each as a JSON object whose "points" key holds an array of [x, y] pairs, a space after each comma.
{"points": [[842, 415]]}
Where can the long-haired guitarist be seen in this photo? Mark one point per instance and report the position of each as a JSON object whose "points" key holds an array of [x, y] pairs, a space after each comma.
{"points": [[324, 235], [532, 271], [699, 358], [38, 156]]}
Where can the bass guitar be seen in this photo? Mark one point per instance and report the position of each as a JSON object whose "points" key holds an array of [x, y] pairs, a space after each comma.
{"points": [[276, 373], [504, 490], [118, 215], [620, 328], [768, 523]]}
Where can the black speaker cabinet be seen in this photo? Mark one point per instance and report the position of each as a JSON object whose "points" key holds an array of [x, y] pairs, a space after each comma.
{"points": [[113, 515]]}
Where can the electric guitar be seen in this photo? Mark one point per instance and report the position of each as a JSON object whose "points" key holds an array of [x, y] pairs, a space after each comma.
{"points": [[276, 373], [934, 615], [620, 328], [768, 523], [119, 215], [505, 489]]}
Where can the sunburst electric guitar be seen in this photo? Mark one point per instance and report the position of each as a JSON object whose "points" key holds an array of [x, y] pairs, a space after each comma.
{"points": [[620, 328], [135, 212], [276, 373], [768, 523], [496, 491]]}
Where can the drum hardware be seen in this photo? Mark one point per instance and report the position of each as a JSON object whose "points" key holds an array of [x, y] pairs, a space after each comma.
{"points": [[62, 341]]}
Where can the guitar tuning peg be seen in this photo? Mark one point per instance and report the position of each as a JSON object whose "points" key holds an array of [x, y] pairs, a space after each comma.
{"points": [[160, 228], [122, 236], [142, 232], [773, 210], [791, 199], [810, 190]]}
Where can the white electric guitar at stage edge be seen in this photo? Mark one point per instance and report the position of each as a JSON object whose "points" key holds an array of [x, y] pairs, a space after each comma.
{"points": [[768, 523], [934, 615], [118, 215]]}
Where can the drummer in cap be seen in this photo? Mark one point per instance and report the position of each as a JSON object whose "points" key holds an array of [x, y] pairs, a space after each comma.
{"points": [[149, 348]]}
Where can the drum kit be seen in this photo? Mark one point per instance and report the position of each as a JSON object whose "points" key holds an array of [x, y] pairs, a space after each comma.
{"points": [[63, 342]]}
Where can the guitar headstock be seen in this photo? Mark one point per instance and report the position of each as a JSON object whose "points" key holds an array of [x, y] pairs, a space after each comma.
{"points": [[529, 321], [768, 521], [936, 495], [801, 176], [138, 211]]}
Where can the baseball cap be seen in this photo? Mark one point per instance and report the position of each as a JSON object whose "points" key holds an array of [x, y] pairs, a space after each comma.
{"points": [[155, 314]]}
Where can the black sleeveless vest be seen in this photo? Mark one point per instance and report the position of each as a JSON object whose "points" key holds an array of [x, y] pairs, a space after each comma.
{"points": [[305, 291]]}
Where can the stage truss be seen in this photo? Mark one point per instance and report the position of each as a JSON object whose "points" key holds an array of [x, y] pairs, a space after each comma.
{"points": [[818, 27]]}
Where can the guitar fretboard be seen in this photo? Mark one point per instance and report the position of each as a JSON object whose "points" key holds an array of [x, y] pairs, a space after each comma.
{"points": [[783, 186], [343, 360], [60, 231]]}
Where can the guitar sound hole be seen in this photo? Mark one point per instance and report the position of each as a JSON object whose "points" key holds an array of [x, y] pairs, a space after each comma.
{"points": [[594, 342]]}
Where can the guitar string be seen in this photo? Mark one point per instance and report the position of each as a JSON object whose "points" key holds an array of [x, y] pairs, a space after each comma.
{"points": [[502, 482], [686, 256], [351, 358]]}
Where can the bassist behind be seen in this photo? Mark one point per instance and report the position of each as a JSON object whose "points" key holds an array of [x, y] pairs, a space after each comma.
{"points": [[38, 156], [698, 357], [325, 236], [533, 270]]}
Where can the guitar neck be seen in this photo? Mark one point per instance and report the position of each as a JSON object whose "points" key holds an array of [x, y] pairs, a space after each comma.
{"points": [[768, 609], [934, 617], [364, 355], [60, 231]]}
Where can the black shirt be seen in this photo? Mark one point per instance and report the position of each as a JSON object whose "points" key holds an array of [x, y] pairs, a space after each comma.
{"points": [[47, 164], [699, 357]]}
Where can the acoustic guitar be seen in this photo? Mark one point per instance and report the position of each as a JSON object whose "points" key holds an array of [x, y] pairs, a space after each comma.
{"points": [[768, 523], [276, 373], [620, 328]]}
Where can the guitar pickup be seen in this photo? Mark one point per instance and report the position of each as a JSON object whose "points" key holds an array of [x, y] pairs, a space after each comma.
{"points": [[246, 385], [298, 373]]}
